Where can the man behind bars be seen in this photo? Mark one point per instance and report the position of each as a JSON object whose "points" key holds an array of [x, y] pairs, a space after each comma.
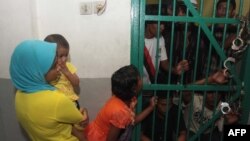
{"points": [[166, 120]]}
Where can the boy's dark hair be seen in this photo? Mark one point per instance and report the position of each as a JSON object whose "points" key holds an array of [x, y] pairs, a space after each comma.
{"points": [[153, 9], [232, 3], [59, 39], [124, 82]]}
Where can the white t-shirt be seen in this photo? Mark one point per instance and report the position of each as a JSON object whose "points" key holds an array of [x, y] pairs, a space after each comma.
{"points": [[151, 45], [193, 1], [198, 119]]}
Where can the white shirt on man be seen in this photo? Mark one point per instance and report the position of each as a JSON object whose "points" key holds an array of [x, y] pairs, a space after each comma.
{"points": [[156, 56]]}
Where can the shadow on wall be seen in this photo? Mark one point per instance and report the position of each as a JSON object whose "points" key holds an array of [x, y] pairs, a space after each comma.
{"points": [[94, 93]]}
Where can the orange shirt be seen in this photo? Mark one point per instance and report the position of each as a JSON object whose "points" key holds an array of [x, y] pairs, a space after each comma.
{"points": [[115, 112]]}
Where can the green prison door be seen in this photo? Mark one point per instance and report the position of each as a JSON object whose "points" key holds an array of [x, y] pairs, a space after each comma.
{"points": [[210, 43]]}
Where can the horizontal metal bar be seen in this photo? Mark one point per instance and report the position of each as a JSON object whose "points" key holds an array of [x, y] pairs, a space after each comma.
{"points": [[191, 19], [194, 87]]}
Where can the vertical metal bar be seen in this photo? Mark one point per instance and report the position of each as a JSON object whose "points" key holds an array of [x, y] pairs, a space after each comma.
{"points": [[170, 68], [166, 119], [195, 68], [215, 105], [157, 57], [137, 45], [198, 42], [171, 42], [182, 75], [225, 30], [245, 77], [241, 7], [246, 89], [135, 24], [184, 44], [137, 15], [210, 45]]}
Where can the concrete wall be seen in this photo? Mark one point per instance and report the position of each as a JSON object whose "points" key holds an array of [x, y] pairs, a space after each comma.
{"points": [[99, 45]]}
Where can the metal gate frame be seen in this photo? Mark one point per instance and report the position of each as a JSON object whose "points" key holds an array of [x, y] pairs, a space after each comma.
{"points": [[138, 19]]}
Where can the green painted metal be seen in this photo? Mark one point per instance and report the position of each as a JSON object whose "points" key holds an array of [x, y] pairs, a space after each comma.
{"points": [[135, 31], [135, 24], [246, 88], [139, 17], [190, 19]]}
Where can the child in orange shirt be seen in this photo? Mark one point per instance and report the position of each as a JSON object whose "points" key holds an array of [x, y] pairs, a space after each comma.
{"points": [[117, 114]]}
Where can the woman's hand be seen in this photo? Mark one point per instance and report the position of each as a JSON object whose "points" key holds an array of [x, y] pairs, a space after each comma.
{"points": [[85, 122]]}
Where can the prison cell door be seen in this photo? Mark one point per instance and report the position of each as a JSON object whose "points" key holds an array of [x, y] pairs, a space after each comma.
{"points": [[238, 87]]}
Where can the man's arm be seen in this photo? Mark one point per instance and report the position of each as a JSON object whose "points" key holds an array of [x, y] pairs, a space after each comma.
{"points": [[178, 69], [218, 78]]}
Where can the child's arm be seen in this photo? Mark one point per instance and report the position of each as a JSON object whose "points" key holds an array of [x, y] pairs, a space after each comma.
{"points": [[182, 136], [75, 132], [54, 74], [144, 138], [147, 111], [73, 78], [114, 133]]}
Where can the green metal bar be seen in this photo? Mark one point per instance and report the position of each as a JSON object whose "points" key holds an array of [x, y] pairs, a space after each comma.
{"points": [[179, 115], [182, 74], [215, 104], [137, 53], [210, 45], [170, 64], [195, 70], [188, 87], [166, 119], [135, 24], [184, 45], [198, 43], [203, 106], [241, 7], [137, 37], [191, 19], [225, 29], [246, 88], [213, 41], [240, 14], [171, 43], [157, 57], [211, 121]]}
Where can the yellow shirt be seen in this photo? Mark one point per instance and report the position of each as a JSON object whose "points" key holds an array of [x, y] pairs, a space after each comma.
{"points": [[64, 85], [47, 115]]}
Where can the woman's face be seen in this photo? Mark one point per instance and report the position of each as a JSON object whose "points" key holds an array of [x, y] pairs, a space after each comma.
{"points": [[52, 74]]}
